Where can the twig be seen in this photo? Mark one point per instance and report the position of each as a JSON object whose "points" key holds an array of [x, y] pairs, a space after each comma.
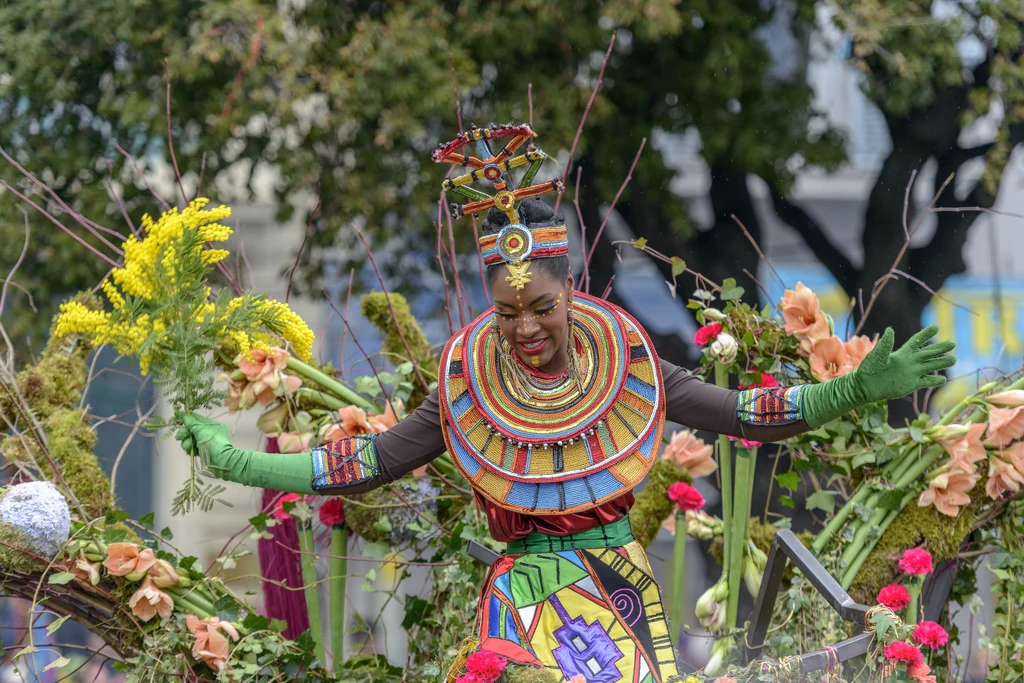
{"points": [[142, 175], [455, 92], [117, 198], [344, 331], [254, 54], [586, 111], [305, 237], [906, 202], [611, 209], [529, 101], [124, 448], [391, 309], [60, 225], [480, 261], [933, 292], [10, 273], [444, 274], [584, 283], [760, 254], [170, 139], [202, 172], [80, 219], [460, 291], [882, 281], [359, 346], [608, 288]]}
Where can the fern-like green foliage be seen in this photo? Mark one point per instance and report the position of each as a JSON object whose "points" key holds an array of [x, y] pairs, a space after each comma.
{"points": [[403, 338]]}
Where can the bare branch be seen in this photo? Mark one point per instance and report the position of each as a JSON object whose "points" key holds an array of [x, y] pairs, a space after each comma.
{"points": [[611, 209], [305, 237], [170, 138]]}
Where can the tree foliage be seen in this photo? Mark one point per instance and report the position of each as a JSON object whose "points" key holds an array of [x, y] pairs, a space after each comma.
{"points": [[346, 99]]}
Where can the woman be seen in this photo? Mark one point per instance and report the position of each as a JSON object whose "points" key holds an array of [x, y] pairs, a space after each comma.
{"points": [[552, 405]]}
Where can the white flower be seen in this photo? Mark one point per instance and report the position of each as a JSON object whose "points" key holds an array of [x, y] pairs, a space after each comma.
{"points": [[714, 314], [1007, 399], [33, 516], [723, 349]]}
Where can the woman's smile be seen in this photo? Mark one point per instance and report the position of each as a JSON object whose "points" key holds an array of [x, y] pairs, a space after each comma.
{"points": [[533, 347]]}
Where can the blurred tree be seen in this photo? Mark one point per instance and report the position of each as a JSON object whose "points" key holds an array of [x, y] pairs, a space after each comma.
{"points": [[348, 98]]}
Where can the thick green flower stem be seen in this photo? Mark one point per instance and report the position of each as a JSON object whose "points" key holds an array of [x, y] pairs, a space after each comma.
{"points": [[745, 461], [193, 597], [839, 519], [308, 553], [678, 605], [725, 467], [915, 599], [339, 569], [184, 603], [850, 573], [328, 383], [320, 398]]}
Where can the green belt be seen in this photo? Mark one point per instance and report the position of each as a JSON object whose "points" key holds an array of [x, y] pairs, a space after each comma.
{"points": [[611, 535]]}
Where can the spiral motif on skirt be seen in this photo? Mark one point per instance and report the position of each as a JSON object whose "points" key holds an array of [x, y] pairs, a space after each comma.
{"points": [[627, 603]]}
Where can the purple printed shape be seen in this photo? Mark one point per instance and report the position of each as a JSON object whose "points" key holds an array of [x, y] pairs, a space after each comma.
{"points": [[585, 648]]}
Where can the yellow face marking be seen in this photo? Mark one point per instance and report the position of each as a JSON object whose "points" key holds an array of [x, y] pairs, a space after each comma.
{"points": [[519, 274]]}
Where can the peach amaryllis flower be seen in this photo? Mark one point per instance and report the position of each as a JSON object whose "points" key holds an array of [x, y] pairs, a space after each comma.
{"points": [[1003, 478], [86, 573], [1013, 398], [948, 492], [149, 601], [211, 640], [829, 359], [1005, 425], [354, 421], [803, 318], [963, 444], [294, 442], [125, 559], [690, 453]]}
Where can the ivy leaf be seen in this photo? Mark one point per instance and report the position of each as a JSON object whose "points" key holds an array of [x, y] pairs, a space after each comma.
{"points": [[166, 534], [61, 578], [790, 480], [678, 266], [891, 500], [640, 243], [115, 516], [56, 625], [254, 622], [416, 610], [786, 501], [58, 663], [916, 434], [864, 459], [822, 500], [730, 290], [146, 520], [226, 608]]}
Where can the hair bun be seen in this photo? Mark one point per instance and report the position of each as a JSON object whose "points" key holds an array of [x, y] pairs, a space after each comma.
{"points": [[532, 211]]}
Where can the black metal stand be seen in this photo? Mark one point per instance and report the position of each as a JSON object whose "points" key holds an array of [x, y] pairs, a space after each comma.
{"points": [[786, 546]]}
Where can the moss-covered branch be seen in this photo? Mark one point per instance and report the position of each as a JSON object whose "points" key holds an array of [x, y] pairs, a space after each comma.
{"points": [[400, 331]]}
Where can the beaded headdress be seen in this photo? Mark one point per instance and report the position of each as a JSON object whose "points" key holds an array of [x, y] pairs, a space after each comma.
{"points": [[516, 244]]}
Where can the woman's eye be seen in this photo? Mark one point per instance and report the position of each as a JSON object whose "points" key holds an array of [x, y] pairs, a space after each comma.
{"points": [[545, 310], [507, 316]]}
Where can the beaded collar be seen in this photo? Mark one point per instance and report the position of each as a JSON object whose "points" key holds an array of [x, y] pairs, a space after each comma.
{"points": [[568, 450]]}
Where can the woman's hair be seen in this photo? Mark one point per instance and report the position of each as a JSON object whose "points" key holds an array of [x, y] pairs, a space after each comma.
{"points": [[533, 213]]}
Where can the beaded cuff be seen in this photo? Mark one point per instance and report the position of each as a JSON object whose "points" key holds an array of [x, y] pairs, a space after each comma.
{"points": [[770, 405], [349, 461]]}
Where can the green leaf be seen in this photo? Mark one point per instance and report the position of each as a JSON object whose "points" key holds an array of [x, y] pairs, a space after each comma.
{"points": [[115, 516], [167, 534], [678, 266], [58, 663], [822, 500], [56, 624], [730, 290], [891, 500], [416, 610], [916, 434], [864, 459], [227, 608], [29, 650], [254, 622], [146, 520], [786, 501], [61, 578], [789, 480], [640, 243], [885, 454]]}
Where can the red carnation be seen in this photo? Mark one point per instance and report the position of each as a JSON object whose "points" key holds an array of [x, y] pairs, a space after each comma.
{"points": [[917, 562], [332, 512], [766, 381], [279, 512], [902, 651], [484, 666], [707, 333], [685, 496], [894, 596], [931, 634]]}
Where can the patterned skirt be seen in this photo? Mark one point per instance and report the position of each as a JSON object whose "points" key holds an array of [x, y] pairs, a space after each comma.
{"points": [[593, 611]]}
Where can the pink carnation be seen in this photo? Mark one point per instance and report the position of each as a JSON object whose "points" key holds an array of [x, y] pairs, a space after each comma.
{"points": [[279, 512], [707, 333], [902, 651], [917, 562], [931, 634], [685, 496], [485, 666], [894, 596]]}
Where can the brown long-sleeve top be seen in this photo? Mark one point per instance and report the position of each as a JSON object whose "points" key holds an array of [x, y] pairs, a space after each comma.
{"points": [[691, 402]]}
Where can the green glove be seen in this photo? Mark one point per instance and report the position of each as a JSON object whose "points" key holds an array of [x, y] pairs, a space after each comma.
{"points": [[290, 472], [882, 375]]}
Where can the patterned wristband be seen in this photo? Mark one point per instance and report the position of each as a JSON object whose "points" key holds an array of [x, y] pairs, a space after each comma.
{"points": [[770, 405], [345, 462]]}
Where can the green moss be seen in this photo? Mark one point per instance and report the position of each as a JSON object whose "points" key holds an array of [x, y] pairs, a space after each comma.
{"points": [[71, 443], [942, 536], [652, 506], [374, 307], [363, 515], [531, 674], [12, 559]]}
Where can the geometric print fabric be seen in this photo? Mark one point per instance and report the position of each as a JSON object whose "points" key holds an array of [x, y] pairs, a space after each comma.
{"points": [[591, 612]]}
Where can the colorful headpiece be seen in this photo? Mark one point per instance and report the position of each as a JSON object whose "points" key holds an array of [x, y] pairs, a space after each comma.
{"points": [[517, 243]]}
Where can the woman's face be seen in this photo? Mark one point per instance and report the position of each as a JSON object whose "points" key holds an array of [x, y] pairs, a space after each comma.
{"points": [[534, 319]]}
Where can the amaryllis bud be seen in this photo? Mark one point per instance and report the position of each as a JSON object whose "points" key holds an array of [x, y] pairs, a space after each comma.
{"points": [[751, 576], [713, 314], [695, 527], [723, 349], [273, 420], [1007, 399], [720, 653], [705, 603], [722, 589], [948, 432], [163, 574]]}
